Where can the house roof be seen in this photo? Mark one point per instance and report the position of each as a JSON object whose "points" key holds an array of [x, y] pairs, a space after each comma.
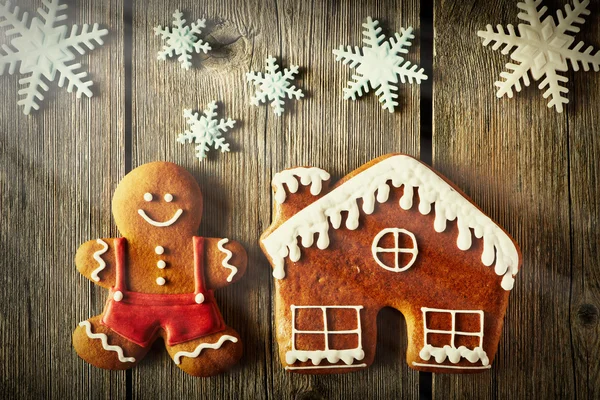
{"points": [[373, 184]]}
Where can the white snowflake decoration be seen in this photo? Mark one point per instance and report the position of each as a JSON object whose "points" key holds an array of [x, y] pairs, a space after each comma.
{"points": [[543, 48], [182, 40], [274, 85], [380, 64], [206, 131], [43, 49]]}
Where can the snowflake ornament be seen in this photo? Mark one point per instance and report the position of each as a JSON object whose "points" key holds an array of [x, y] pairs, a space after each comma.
{"points": [[542, 49], [182, 40], [43, 50], [274, 85], [380, 64], [206, 131]]}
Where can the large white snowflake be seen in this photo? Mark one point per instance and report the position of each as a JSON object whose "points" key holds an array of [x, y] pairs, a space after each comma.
{"points": [[206, 130], [43, 49], [274, 85], [182, 40], [380, 64], [542, 49]]}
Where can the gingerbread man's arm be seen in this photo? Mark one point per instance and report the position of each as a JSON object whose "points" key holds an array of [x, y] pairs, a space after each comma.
{"points": [[95, 259], [225, 262]]}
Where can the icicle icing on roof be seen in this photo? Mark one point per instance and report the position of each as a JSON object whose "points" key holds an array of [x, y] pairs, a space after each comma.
{"points": [[372, 185]]}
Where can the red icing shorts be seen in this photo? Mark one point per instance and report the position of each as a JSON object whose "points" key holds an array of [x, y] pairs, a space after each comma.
{"points": [[139, 316]]}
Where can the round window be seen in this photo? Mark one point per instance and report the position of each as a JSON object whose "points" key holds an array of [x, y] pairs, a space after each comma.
{"points": [[395, 249]]}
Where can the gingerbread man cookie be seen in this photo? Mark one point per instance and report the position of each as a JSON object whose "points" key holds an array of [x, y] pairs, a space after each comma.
{"points": [[393, 233], [160, 278]]}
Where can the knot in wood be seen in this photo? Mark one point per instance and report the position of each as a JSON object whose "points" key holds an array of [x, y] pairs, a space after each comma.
{"points": [[588, 315]]}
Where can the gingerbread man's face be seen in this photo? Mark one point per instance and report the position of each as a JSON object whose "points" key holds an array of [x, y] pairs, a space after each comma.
{"points": [[156, 199]]}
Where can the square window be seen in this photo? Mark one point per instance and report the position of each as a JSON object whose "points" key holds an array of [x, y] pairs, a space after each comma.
{"points": [[439, 339], [468, 322], [440, 321], [470, 342], [342, 319], [310, 341], [343, 341], [309, 319]]}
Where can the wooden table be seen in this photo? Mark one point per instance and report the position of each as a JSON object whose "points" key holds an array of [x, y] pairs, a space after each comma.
{"points": [[531, 169]]}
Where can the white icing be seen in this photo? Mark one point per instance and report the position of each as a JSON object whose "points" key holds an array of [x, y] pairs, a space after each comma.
{"points": [[396, 249], [313, 176], [104, 339], [161, 264], [160, 281], [148, 196], [168, 197], [159, 250], [333, 356], [101, 263], [161, 224], [202, 346], [327, 366], [450, 351], [450, 366], [199, 298], [228, 255], [118, 296], [454, 354], [373, 184]]}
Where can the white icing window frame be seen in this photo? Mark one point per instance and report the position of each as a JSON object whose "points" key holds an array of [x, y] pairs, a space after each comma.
{"points": [[450, 351], [375, 249], [332, 355]]}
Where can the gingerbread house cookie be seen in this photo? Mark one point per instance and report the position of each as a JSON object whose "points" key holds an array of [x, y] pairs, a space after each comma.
{"points": [[393, 233]]}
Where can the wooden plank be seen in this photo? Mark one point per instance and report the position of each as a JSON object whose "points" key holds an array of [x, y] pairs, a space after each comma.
{"points": [[329, 128], [235, 185], [58, 168], [338, 135], [584, 183], [512, 156]]}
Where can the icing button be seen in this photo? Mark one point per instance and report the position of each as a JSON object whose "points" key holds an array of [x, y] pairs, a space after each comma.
{"points": [[118, 296], [161, 264], [159, 250], [199, 298], [160, 281]]}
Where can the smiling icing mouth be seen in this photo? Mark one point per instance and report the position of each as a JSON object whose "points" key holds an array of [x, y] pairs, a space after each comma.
{"points": [[160, 224]]}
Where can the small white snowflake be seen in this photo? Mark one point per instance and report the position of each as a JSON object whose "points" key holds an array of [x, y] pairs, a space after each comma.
{"points": [[380, 64], [43, 48], [206, 130], [182, 40], [274, 85], [542, 48]]}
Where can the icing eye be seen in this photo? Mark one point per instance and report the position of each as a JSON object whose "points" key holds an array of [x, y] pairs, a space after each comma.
{"points": [[147, 197], [168, 197]]}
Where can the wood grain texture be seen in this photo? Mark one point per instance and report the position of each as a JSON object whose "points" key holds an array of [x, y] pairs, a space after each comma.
{"points": [[58, 169], [321, 130], [535, 172]]}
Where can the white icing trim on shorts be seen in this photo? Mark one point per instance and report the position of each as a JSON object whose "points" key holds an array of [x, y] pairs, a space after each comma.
{"points": [[228, 255], [203, 346], [104, 339], [101, 263], [373, 185]]}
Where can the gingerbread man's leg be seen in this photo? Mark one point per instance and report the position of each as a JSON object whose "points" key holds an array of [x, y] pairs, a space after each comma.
{"points": [[100, 346], [208, 355]]}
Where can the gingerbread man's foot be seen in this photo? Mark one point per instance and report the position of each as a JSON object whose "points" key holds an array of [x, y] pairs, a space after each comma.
{"points": [[208, 355], [98, 345]]}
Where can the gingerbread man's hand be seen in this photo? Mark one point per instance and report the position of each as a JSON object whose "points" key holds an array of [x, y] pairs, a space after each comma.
{"points": [[95, 259], [226, 262]]}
